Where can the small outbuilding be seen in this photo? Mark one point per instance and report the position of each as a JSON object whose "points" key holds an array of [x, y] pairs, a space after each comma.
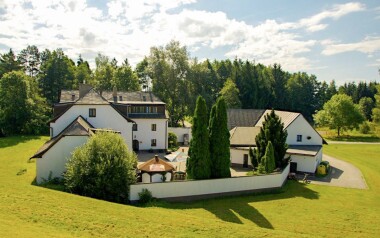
{"points": [[156, 170]]}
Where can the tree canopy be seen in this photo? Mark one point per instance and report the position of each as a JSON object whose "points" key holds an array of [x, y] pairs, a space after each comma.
{"points": [[339, 113], [102, 168]]}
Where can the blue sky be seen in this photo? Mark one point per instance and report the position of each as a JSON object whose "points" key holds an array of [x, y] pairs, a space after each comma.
{"points": [[332, 39]]}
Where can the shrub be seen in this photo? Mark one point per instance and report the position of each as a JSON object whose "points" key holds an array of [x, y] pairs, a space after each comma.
{"points": [[172, 138], [145, 196], [365, 128], [102, 168]]}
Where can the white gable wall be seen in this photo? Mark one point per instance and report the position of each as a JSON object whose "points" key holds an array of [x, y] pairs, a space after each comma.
{"points": [[307, 163], [106, 118], [144, 133], [54, 160], [301, 127]]}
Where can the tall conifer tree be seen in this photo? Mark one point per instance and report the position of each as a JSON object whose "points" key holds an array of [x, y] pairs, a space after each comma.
{"points": [[198, 163], [219, 141]]}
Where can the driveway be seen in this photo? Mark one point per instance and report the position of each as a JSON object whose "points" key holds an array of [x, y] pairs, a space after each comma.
{"points": [[342, 174]]}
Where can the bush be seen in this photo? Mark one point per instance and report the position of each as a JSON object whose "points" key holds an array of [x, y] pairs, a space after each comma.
{"points": [[102, 168], [145, 196], [365, 128], [172, 138]]}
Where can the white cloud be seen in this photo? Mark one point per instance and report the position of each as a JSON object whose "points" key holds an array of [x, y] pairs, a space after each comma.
{"points": [[313, 23], [129, 28], [368, 45]]}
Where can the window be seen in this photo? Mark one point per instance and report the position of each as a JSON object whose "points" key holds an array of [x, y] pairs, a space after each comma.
{"points": [[154, 127], [154, 142], [134, 127], [72, 97], [299, 138], [144, 98], [92, 112], [120, 98]]}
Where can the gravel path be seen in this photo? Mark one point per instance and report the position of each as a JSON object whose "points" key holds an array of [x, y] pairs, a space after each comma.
{"points": [[342, 174]]}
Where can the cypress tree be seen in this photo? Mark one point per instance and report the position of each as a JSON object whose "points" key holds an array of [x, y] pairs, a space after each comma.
{"points": [[198, 163], [219, 141], [272, 130]]}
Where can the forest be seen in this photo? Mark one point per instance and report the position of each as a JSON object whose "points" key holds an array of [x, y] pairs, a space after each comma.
{"points": [[31, 81]]}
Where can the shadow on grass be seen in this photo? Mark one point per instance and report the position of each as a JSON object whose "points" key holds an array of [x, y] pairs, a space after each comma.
{"points": [[230, 208], [50, 185], [15, 140]]}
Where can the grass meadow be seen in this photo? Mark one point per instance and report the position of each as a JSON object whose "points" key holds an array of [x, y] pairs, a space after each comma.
{"points": [[297, 210]]}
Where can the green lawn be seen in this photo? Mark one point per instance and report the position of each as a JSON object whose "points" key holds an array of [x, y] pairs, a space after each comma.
{"points": [[299, 210]]}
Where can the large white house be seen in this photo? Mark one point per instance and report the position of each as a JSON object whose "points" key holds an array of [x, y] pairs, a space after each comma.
{"points": [[140, 118], [304, 142]]}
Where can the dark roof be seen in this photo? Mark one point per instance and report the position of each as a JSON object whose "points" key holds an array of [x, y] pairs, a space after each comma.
{"points": [[244, 136], [126, 97], [92, 97], [307, 150], [79, 127], [243, 117]]}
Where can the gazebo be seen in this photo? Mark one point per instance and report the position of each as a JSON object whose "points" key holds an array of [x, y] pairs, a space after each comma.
{"points": [[156, 170]]}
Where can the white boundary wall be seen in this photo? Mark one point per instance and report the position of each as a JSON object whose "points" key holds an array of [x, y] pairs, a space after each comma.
{"points": [[180, 132], [210, 187]]}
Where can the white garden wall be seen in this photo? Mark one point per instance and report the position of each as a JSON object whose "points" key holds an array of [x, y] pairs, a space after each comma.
{"points": [[55, 159], [180, 132], [188, 190]]}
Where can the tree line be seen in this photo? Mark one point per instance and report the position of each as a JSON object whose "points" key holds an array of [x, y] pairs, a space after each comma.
{"points": [[174, 76]]}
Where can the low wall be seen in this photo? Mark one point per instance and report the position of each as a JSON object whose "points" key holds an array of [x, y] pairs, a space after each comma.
{"points": [[200, 189], [180, 132]]}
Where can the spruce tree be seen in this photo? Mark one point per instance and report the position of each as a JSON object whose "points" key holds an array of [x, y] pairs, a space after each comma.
{"points": [[198, 163], [219, 141], [272, 130]]}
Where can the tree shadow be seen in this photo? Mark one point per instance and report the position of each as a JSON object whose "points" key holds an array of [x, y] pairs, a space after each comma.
{"points": [[230, 209], [15, 140]]}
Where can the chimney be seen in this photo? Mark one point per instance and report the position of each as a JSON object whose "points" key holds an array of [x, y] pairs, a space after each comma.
{"points": [[83, 89], [156, 158], [114, 94]]}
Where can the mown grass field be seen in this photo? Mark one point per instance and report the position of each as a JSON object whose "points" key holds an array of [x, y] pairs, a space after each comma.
{"points": [[296, 211]]}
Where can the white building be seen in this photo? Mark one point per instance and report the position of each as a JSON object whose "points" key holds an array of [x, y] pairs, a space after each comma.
{"points": [[304, 142], [140, 118]]}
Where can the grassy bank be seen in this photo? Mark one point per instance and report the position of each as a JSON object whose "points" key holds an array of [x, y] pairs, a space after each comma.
{"points": [[298, 210]]}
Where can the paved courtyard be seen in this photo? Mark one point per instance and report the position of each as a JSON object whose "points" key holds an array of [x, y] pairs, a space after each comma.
{"points": [[342, 174]]}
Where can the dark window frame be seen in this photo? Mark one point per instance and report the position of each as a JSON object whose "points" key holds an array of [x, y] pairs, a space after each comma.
{"points": [[92, 112], [135, 127], [299, 138], [153, 142], [154, 127]]}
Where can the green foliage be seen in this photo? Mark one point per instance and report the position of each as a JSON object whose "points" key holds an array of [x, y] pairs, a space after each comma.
{"points": [[253, 157], [8, 63], [365, 128], [102, 168], [57, 73], [104, 73], [267, 164], [339, 113], [230, 93], [22, 110], [219, 141], [125, 79], [172, 138], [145, 196], [376, 110], [169, 70], [82, 73], [366, 105], [272, 131], [30, 59], [199, 163]]}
